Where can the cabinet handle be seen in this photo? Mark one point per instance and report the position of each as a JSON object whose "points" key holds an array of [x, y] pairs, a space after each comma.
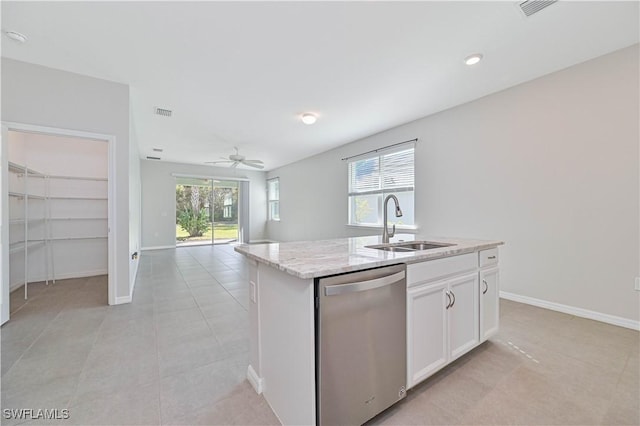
{"points": [[491, 257], [448, 297], [454, 298], [486, 286]]}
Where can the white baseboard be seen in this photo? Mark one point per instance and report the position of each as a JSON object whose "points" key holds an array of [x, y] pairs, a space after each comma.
{"points": [[157, 248], [123, 299], [253, 378], [572, 310], [132, 286], [64, 276]]}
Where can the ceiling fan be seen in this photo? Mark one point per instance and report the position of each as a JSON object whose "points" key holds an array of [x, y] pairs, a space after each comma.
{"points": [[237, 159]]}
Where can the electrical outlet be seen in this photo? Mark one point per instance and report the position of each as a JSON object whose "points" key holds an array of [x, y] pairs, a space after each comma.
{"points": [[637, 287], [252, 291]]}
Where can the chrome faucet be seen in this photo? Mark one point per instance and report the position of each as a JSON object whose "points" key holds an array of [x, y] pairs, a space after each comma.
{"points": [[385, 233]]}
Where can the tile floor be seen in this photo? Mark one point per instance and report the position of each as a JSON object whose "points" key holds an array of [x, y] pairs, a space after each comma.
{"points": [[178, 355]]}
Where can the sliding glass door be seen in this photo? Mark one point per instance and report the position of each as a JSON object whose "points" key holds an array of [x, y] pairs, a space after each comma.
{"points": [[225, 211], [206, 211]]}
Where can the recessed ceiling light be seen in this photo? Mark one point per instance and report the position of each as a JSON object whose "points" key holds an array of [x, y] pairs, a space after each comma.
{"points": [[473, 59], [308, 118], [16, 36]]}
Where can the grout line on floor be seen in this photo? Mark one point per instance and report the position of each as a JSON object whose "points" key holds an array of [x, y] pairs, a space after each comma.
{"points": [[196, 300], [229, 356], [84, 366], [34, 341], [47, 327], [155, 330], [193, 296]]}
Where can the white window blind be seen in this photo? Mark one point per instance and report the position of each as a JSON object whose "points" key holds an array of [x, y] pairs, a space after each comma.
{"points": [[373, 177]]}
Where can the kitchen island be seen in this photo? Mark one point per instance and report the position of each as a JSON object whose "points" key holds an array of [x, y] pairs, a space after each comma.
{"points": [[283, 308]]}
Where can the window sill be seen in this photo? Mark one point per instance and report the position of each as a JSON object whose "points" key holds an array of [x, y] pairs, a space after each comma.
{"points": [[410, 229]]}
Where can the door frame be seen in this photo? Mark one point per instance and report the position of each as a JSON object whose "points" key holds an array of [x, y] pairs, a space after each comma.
{"points": [[4, 202]]}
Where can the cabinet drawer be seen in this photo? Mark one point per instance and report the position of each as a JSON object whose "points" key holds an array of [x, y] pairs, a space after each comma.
{"points": [[488, 257], [433, 269]]}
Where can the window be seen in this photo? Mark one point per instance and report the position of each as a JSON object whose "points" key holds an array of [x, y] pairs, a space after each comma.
{"points": [[273, 198], [372, 178]]}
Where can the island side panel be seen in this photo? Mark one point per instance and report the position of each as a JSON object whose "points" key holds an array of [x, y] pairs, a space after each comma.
{"points": [[286, 344], [254, 370]]}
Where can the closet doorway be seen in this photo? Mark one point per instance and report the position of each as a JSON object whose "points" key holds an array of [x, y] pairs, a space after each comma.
{"points": [[207, 211], [57, 211]]}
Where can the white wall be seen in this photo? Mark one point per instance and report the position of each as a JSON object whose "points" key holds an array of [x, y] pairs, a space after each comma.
{"points": [[159, 199], [550, 166], [43, 96], [62, 156]]}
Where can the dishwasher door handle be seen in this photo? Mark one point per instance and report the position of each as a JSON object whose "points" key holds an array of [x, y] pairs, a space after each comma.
{"points": [[335, 290]]}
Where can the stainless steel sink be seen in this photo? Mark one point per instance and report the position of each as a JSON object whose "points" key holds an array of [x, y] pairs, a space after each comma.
{"points": [[410, 246], [392, 248], [423, 245]]}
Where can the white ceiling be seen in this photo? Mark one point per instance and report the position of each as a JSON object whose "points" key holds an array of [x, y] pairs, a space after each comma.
{"points": [[239, 74]]}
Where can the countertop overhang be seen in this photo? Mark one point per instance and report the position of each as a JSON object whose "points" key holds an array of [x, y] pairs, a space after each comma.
{"points": [[312, 259]]}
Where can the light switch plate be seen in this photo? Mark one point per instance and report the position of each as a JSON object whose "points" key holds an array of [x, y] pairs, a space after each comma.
{"points": [[637, 287]]}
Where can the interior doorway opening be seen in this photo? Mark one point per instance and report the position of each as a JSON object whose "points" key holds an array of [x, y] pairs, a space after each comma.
{"points": [[56, 187], [207, 211]]}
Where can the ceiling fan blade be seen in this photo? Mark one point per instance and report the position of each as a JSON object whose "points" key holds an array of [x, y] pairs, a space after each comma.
{"points": [[257, 166], [237, 159]]}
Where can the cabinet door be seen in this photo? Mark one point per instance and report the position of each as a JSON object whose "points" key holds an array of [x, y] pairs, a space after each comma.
{"points": [[426, 331], [489, 303], [463, 315]]}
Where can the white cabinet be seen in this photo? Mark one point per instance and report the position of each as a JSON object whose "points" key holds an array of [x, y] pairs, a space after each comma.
{"points": [[463, 315], [489, 302], [489, 293], [442, 323], [426, 331], [452, 307]]}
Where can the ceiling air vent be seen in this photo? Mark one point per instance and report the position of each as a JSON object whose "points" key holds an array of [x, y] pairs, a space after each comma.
{"points": [[152, 158], [530, 7], [164, 112]]}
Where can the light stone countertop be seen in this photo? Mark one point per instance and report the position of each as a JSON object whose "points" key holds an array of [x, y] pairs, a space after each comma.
{"points": [[311, 259]]}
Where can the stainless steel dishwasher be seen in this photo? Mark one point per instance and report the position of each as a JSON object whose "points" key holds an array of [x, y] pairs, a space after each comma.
{"points": [[361, 347]]}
